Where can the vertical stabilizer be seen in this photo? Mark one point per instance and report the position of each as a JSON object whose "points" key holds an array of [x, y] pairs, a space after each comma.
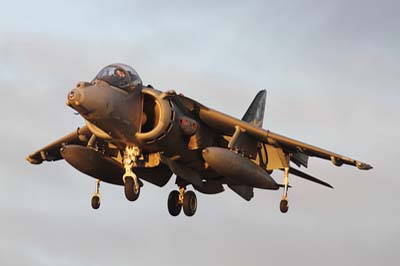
{"points": [[255, 113]]}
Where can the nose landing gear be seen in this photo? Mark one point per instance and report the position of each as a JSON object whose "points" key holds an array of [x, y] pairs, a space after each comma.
{"points": [[131, 187], [131, 182]]}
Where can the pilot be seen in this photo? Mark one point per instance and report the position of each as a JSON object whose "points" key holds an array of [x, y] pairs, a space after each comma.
{"points": [[121, 76], [119, 73]]}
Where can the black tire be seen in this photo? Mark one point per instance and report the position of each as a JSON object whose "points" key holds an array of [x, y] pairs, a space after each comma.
{"points": [[95, 202], [189, 203], [131, 193], [284, 206], [174, 208]]}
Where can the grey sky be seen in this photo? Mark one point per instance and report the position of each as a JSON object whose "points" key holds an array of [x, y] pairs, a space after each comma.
{"points": [[331, 69]]}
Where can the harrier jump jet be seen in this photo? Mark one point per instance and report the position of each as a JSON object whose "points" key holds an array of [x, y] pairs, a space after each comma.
{"points": [[135, 133]]}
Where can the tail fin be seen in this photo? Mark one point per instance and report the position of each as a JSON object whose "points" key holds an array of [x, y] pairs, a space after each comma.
{"points": [[255, 113]]}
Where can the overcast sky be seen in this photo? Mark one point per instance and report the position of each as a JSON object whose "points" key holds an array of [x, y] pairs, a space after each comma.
{"points": [[332, 72]]}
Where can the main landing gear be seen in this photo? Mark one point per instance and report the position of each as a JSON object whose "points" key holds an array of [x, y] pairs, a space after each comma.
{"points": [[179, 199], [284, 205], [131, 182], [96, 196]]}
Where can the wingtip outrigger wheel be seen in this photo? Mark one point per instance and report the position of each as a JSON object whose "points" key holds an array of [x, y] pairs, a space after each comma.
{"points": [[96, 196], [284, 205]]}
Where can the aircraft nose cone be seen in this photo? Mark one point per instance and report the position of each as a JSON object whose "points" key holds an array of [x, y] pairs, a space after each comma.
{"points": [[81, 100], [74, 96], [75, 100]]}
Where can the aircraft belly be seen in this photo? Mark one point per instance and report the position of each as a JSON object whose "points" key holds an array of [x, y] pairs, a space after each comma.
{"points": [[210, 187]]}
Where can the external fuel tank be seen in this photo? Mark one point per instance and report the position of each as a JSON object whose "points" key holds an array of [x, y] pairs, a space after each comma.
{"points": [[238, 168]]}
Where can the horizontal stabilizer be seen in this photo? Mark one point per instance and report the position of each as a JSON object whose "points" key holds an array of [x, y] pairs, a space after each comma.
{"points": [[308, 177]]}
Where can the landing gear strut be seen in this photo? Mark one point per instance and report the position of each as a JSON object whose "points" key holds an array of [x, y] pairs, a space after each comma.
{"points": [[284, 205], [179, 199], [96, 196], [131, 182]]}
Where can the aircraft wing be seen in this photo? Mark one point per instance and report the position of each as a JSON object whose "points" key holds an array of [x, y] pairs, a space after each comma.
{"points": [[51, 152], [310, 150], [227, 125]]}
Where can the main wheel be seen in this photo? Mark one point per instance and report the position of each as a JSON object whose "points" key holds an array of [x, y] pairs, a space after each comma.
{"points": [[284, 206], [131, 191], [95, 202], [174, 208], [189, 203]]}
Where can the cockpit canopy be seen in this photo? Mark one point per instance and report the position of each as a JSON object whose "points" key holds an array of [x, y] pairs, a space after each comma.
{"points": [[121, 76]]}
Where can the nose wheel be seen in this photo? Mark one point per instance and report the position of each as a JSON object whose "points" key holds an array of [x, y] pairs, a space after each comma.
{"points": [[131, 182], [131, 187], [181, 199], [96, 196]]}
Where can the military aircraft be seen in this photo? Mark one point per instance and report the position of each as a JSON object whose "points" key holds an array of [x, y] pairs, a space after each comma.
{"points": [[135, 133]]}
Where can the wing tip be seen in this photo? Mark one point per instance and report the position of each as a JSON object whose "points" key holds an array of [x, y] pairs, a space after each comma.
{"points": [[32, 160], [364, 166]]}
